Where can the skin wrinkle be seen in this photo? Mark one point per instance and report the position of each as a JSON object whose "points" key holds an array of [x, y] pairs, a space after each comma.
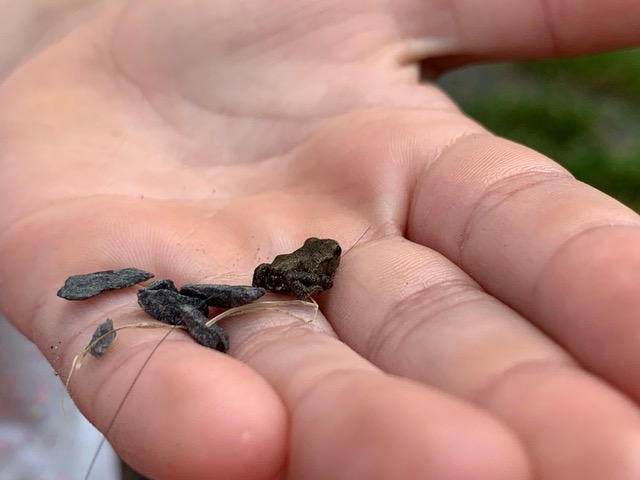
{"points": [[320, 379], [548, 266], [507, 389], [305, 14], [252, 346], [307, 115], [566, 244], [120, 72], [388, 335], [330, 378], [145, 93], [411, 181], [307, 119], [496, 191], [369, 386], [547, 21], [417, 178], [484, 393], [393, 334]]}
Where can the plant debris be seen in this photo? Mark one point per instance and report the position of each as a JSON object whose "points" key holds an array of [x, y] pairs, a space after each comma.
{"points": [[213, 336], [164, 284], [102, 338], [84, 286], [223, 296], [303, 273], [280, 306], [164, 305], [79, 358]]}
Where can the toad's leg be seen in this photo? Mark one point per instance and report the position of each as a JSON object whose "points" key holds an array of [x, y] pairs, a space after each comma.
{"points": [[305, 284]]}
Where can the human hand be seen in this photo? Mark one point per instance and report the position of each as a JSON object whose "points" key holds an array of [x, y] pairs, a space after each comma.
{"points": [[484, 327]]}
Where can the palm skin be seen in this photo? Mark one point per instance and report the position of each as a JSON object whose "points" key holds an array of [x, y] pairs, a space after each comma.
{"points": [[483, 322]]}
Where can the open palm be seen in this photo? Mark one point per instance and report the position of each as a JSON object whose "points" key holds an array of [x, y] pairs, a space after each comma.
{"points": [[485, 323]]}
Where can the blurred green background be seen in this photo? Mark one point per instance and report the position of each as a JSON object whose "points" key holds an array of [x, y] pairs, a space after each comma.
{"points": [[582, 112]]}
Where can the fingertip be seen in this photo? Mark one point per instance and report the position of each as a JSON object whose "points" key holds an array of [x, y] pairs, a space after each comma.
{"points": [[197, 414]]}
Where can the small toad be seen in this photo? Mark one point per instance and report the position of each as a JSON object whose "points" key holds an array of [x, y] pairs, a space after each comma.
{"points": [[304, 272]]}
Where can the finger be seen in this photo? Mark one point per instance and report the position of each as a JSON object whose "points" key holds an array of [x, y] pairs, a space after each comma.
{"points": [[349, 420], [563, 254], [431, 323], [181, 410], [516, 30], [192, 411]]}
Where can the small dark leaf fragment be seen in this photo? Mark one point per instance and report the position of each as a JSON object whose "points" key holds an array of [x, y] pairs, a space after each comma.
{"points": [[103, 337], [223, 296], [81, 287], [164, 305], [164, 284], [213, 337]]}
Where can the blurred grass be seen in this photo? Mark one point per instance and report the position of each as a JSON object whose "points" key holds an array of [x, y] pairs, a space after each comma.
{"points": [[582, 112]]}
